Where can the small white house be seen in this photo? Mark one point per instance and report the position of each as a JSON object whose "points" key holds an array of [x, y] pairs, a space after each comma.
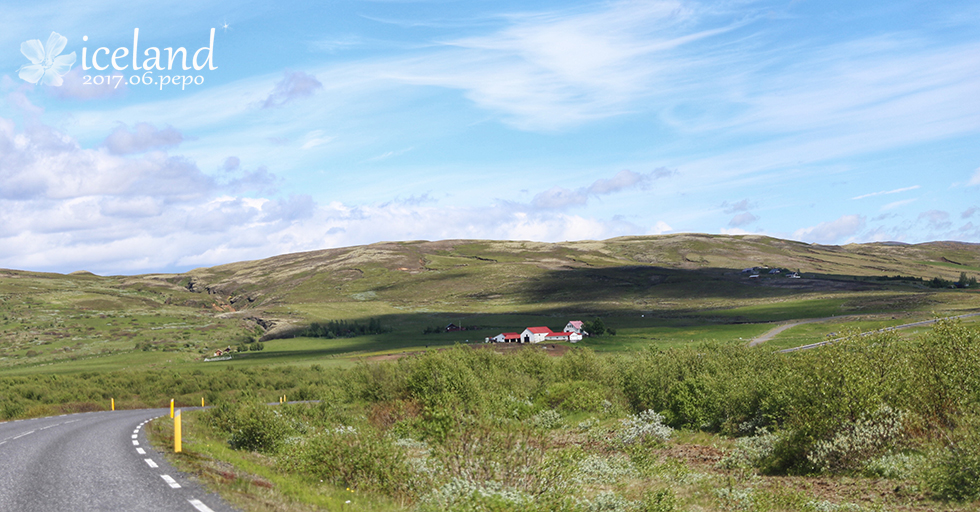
{"points": [[574, 326]]}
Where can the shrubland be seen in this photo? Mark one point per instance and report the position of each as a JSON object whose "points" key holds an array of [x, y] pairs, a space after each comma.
{"points": [[473, 429]]}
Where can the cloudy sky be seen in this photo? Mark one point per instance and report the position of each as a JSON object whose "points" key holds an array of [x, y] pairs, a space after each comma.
{"points": [[332, 123]]}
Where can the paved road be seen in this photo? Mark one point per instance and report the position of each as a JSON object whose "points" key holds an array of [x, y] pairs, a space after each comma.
{"points": [[885, 329], [770, 334], [92, 461]]}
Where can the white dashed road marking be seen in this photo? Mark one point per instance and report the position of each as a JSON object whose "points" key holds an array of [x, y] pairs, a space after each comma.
{"points": [[141, 451], [135, 435], [149, 462], [22, 435], [170, 481], [200, 506], [136, 443]]}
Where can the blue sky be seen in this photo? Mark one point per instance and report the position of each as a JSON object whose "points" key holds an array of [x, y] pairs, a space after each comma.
{"points": [[328, 124]]}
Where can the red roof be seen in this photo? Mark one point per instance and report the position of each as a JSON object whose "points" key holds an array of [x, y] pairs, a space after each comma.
{"points": [[539, 330], [576, 324], [511, 335], [557, 334]]}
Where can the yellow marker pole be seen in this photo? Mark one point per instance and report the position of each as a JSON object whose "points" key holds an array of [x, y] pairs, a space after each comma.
{"points": [[177, 432], [171, 407], [202, 401], [113, 403]]}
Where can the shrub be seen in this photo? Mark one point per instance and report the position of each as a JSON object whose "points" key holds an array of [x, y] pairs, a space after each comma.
{"points": [[253, 426], [898, 466], [643, 427], [858, 441], [577, 395], [659, 501], [465, 495], [547, 419], [954, 473], [750, 452], [346, 457]]}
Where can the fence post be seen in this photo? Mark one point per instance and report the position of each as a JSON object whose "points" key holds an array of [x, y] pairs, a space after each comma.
{"points": [[177, 443]]}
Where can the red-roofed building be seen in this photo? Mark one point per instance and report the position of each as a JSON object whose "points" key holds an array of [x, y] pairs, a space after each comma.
{"points": [[507, 337], [574, 326], [534, 334]]}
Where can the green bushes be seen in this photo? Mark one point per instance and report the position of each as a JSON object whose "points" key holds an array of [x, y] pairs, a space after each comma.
{"points": [[253, 426], [358, 459], [954, 473]]}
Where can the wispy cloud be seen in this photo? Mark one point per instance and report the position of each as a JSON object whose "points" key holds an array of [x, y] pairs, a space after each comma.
{"points": [[142, 137], [560, 197], [897, 204], [294, 86], [742, 219], [896, 191], [975, 179], [553, 70]]}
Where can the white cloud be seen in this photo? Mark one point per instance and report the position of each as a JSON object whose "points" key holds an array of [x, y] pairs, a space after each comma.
{"points": [[898, 204], [937, 220], [559, 197], [740, 206], [75, 87], [143, 137], [294, 86], [742, 219], [975, 179], [832, 232], [896, 191], [549, 71], [660, 228], [316, 138], [66, 208]]}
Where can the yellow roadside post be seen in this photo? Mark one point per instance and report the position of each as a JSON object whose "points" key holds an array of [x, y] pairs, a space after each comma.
{"points": [[171, 407], [177, 432], [202, 401], [113, 401]]}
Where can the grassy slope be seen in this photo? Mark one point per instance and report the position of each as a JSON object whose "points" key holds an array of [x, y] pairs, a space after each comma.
{"points": [[662, 290]]}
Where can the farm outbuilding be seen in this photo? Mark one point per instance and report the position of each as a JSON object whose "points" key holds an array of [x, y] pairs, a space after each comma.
{"points": [[534, 334]]}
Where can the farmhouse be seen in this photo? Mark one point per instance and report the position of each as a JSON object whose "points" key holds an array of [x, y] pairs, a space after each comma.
{"points": [[573, 333]]}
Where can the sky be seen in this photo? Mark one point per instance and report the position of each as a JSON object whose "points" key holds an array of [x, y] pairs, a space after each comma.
{"points": [[295, 126]]}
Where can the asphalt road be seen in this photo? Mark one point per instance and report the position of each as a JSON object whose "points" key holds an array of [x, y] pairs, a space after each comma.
{"points": [[92, 461]]}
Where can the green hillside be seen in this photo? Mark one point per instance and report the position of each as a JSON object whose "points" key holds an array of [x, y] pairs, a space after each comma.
{"points": [[665, 290]]}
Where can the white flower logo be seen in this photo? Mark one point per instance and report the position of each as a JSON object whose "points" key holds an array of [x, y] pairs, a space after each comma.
{"points": [[46, 67]]}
